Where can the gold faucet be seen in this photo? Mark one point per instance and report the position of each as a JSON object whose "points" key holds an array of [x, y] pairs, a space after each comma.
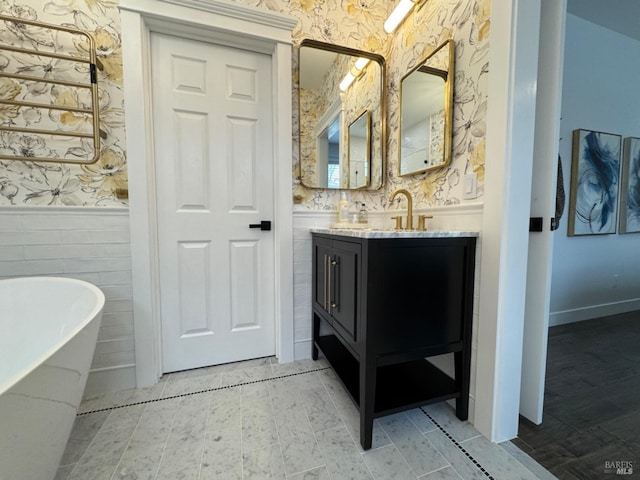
{"points": [[421, 225], [409, 206]]}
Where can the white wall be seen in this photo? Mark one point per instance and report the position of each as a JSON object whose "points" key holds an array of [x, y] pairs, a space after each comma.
{"points": [[90, 244], [600, 274]]}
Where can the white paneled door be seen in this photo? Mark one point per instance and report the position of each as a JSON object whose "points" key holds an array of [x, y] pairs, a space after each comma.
{"points": [[543, 197], [214, 178]]}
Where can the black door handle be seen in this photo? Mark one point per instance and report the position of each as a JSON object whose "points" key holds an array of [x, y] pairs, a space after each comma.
{"points": [[263, 225]]}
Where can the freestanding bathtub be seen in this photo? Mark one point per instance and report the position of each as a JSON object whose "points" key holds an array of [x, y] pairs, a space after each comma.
{"points": [[48, 332]]}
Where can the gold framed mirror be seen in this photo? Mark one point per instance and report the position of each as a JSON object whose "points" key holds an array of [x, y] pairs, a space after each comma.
{"points": [[426, 113], [341, 93]]}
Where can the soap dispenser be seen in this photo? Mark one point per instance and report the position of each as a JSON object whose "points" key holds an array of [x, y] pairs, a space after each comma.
{"points": [[362, 214], [343, 208]]}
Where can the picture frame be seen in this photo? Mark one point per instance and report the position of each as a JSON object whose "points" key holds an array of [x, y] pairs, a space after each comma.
{"points": [[630, 187], [595, 179]]}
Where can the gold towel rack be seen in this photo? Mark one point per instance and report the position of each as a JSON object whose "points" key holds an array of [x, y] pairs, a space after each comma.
{"points": [[93, 111]]}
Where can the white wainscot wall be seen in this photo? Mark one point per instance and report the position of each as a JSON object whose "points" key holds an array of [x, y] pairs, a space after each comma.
{"points": [[90, 244], [466, 217]]}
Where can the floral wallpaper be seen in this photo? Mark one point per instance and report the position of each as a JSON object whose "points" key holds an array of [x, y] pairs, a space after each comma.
{"points": [[312, 104], [39, 183], [436, 135], [352, 23], [358, 24], [467, 22]]}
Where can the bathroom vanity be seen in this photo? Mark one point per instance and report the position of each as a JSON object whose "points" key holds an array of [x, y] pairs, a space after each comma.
{"points": [[383, 302]]}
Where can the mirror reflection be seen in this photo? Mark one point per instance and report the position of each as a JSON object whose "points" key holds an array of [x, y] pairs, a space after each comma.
{"points": [[426, 101], [359, 150], [341, 117]]}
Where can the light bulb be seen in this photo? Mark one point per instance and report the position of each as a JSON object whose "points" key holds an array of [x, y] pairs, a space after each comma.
{"points": [[347, 81], [361, 62], [397, 16]]}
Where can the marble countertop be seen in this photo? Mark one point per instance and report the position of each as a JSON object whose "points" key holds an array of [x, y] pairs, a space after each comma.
{"points": [[372, 233]]}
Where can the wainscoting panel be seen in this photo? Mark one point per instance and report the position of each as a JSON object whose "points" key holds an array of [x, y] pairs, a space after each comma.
{"points": [[89, 244]]}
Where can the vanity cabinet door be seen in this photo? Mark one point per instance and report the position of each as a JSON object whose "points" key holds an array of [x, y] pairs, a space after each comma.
{"points": [[321, 258], [345, 278]]}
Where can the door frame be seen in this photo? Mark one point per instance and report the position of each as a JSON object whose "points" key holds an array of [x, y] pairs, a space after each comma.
{"points": [[223, 23], [512, 127], [512, 84]]}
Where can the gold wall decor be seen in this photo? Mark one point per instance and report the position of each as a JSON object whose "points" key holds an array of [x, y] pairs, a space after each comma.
{"points": [[36, 88], [55, 184]]}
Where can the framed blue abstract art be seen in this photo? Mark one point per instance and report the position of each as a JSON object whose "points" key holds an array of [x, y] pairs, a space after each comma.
{"points": [[595, 176], [630, 187]]}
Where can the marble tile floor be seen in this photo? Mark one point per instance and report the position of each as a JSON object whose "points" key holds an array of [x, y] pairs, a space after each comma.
{"points": [[263, 420]]}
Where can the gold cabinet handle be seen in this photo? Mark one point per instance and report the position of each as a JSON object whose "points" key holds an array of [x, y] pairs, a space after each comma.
{"points": [[329, 263], [324, 284], [334, 303]]}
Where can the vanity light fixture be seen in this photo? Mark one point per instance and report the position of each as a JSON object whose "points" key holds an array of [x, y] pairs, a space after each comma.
{"points": [[399, 13], [361, 62], [354, 73], [347, 81]]}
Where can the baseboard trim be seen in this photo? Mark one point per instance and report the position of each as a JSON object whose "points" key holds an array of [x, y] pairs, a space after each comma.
{"points": [[110, 379], [593, 311], [302, 349]]}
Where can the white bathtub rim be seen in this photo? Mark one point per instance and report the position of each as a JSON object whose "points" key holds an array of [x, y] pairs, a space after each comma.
{"points": [[43, 356]]}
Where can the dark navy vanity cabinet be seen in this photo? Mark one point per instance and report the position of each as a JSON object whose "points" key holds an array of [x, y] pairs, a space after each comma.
{"points": [[382, 305]]}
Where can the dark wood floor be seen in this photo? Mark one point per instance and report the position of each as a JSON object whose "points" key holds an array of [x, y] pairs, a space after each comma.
{"points": [[592, 400]]}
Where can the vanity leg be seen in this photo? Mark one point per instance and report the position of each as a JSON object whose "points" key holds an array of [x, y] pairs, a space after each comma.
{"points": [[316, 334], [367, 401], [462, 361]]}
